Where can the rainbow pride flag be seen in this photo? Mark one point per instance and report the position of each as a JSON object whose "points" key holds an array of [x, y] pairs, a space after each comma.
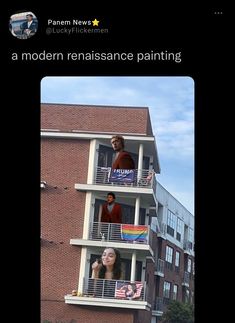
{"points": [[132, 232]]}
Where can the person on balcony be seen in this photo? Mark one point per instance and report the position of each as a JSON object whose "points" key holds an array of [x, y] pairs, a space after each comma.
{"points": [[109, 266], [148, 180], [123, 159], [111, 211], [105, 272]]}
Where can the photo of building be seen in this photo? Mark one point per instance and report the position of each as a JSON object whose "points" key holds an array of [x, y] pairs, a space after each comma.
{"points": [[155, 237]]}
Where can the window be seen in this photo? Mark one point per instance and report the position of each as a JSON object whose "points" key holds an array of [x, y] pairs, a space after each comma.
{"points": [[166, 289], [179, 229], [177, 259], [186, 296], [175, 292], [169, 257], [171, 223], [189, 265], [169, 254], [190, 238], [105, 156]]}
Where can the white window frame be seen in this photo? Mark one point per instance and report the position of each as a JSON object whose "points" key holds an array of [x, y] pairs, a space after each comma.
{"points": [[175, 292], [177, 259], [169, 254], [166, 289], [189, 266]]}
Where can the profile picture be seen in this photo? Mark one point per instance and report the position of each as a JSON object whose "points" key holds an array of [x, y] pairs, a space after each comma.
{"points": [[23, 25]]}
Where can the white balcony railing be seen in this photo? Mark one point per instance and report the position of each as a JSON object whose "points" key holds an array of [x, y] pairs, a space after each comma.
{"points": [[111, 293], [116, 232], [143, 178], [118, 289]]}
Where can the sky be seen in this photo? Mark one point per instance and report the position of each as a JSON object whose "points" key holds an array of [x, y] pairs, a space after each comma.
{"points": [[171, 106]]}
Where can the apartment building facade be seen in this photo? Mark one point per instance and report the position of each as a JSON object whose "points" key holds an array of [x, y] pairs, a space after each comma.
{"points": [[76, 156], [174, 253]]}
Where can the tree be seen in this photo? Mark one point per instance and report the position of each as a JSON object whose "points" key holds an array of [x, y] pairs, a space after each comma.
{"points": [[178, 312]]}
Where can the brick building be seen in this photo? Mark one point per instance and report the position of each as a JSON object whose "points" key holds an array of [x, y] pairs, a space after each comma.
{"points": [[76, 156]]}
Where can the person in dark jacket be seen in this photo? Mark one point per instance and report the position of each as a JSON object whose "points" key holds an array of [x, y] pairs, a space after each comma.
{"points": [[123, 159], [30, 26]]}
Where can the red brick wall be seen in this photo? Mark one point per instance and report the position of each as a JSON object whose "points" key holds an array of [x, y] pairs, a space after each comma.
{"points": [[65, 313], [191, 281], [143, 316], [149, 277], [91, 118], [63, 163], [173, 276]]}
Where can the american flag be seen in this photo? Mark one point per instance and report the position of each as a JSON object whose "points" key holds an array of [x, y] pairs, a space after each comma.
{"points": [[121, 288]]}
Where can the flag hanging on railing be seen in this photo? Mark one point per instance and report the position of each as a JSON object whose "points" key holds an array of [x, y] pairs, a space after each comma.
{"points": [[132, 232], [122, 176], [128, 290]]}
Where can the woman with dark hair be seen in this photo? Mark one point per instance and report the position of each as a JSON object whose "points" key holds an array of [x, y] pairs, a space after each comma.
{"points": [[109, 266], [106, 271]]}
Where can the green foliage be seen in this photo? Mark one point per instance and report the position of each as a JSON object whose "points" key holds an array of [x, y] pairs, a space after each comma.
{"points": [[178, 312]]}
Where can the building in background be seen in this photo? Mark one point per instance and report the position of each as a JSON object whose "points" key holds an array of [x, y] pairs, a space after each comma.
{"points": [[155, 238]]}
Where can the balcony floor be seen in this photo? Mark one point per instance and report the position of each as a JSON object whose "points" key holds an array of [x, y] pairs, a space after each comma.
{"points": [[119, 245], [92, 301]]}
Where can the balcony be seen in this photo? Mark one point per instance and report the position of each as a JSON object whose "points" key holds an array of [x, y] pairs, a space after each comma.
{"points": [[123, 236], [187, 245], [159, 270], [125, 177], [111, 293], [118, 180], [124, 233], [158, 311]]}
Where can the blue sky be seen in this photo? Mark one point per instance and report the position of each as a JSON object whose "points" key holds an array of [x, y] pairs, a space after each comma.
{"points": [[171, 105]]}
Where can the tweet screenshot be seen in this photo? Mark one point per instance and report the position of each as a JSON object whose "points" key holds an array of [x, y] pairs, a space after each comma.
{"points": [[111, 117]]}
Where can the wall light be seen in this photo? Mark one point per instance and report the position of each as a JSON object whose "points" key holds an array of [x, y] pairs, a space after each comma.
{"points": [[43, 184]]}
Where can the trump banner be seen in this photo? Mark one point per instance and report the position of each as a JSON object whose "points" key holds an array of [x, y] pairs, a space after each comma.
{"points": [[122, 176]]}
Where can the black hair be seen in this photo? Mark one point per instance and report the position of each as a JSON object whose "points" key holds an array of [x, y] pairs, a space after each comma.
{"points": [[133, 290], [112, 194], [116, 266]]}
